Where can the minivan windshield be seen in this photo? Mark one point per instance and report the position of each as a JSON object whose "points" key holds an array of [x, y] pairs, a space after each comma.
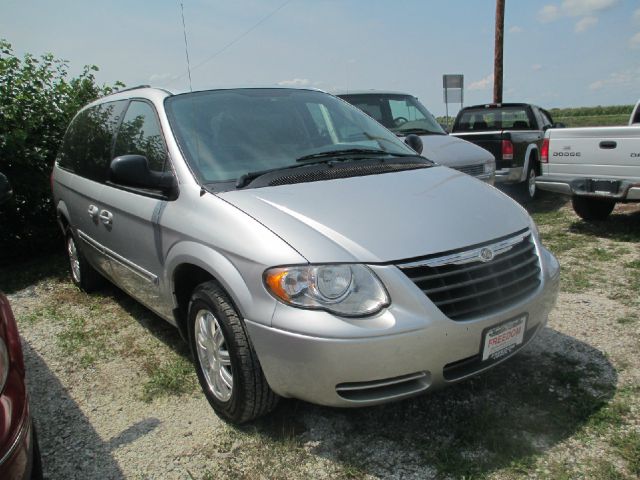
{"points": [[402, 114], [225, 134]]}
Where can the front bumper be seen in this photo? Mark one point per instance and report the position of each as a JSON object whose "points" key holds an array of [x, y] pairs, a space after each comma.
{"points": [[21, 455], [376, 367], [627, 191], [509, 175]]}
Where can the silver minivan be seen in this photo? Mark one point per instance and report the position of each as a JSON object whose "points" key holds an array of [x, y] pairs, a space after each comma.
{"points": [[404, 115], [300, 247]]}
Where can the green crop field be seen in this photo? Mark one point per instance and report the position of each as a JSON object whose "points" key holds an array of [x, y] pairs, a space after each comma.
{"points": [[598, 116]]}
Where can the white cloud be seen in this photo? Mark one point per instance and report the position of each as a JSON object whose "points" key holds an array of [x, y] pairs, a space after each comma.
{"points": [[536, 67], [579, 8], [484, 84], [161, 77], [585, 23], [516, 29], [636, 17], [634, 42], [617, 79], [549, 13], [587, 9], [295, 82]]}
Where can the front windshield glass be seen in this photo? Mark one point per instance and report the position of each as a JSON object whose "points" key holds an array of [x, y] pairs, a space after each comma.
{"points": [[399, 113], [227, 133]]}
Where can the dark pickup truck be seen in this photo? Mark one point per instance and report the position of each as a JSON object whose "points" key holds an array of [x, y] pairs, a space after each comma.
{"points": [[513, 133]]}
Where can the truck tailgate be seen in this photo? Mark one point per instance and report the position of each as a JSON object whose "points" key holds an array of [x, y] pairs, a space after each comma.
{"points": [[600, 152], [490, 141]]}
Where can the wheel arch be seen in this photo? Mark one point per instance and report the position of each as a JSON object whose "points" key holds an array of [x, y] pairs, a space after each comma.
{"points": [[63, 217], [189, 264], [531, 154]]}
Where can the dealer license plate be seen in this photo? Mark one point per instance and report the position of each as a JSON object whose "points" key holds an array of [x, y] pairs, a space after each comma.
{"points": [[503, 339]]}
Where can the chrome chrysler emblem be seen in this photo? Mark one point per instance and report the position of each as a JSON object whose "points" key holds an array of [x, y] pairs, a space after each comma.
{"points": [[486, 255]]}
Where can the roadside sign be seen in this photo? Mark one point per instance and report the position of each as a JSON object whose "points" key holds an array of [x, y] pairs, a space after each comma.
{"points": [[453, 86]]}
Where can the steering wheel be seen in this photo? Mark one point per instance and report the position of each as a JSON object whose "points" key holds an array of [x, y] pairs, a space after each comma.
{"points": [[400, 121]]}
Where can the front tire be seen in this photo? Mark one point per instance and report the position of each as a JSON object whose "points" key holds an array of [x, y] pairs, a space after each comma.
{"points": [[226, 363], [589, 208], [84, 276]]}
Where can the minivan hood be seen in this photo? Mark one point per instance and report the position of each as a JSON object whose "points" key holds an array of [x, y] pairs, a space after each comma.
{"points": [[383, 218], [452, 151]]}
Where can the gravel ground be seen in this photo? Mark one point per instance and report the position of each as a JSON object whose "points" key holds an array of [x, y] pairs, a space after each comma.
{"points": [[114, 396]]}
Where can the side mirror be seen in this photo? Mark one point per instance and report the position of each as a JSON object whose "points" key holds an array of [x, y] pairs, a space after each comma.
{"points": [[415, 142], [5, 189], [559, 125], [133, 171]]}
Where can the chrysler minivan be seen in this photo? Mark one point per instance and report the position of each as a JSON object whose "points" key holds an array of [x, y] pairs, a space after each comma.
{"points": [[301, 248]]}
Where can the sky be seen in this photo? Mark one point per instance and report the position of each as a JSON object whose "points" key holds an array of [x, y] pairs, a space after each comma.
{"points": [[557, 53]]}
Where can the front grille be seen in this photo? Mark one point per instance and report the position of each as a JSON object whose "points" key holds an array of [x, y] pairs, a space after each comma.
{"points": [[473, 170], [463, 286]]}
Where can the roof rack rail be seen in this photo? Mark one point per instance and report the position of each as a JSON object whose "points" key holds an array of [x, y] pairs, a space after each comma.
{"points": [[132, 88]]}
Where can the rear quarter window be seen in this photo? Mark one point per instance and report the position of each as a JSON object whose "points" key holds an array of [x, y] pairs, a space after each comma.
{"points": [[87, 144]]}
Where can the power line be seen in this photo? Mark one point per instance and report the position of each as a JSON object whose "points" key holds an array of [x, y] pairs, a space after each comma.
{"points": [[186, 45], [235, 40]]}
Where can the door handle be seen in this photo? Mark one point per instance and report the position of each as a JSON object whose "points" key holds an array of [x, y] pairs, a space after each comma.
{"points": [[608, 145], [106, 217], [93, 211]]}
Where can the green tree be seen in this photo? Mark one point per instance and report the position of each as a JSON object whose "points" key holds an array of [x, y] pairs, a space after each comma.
{"points": [[38, 99]]}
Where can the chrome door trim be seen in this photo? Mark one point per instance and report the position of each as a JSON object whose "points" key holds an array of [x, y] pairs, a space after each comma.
{"points": [[137, 269]]}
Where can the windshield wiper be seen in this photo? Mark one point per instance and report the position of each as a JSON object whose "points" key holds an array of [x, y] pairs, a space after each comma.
{"points": [[419, 131], [246, 178], [350, 152]]}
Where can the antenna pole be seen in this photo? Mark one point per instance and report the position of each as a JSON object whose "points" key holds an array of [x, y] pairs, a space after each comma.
{"points": [[186, 46]]}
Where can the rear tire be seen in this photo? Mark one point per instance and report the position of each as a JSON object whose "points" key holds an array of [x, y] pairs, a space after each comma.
{"points": [[529, 189], [226, 363], [589, 208], [84, 276]]}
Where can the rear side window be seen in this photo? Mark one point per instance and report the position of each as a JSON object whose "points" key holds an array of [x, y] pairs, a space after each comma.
{"points": [[140, 134], [86, 149]]}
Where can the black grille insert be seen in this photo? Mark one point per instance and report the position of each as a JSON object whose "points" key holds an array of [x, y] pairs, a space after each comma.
{"points": [[473, 170], [477, 288]]}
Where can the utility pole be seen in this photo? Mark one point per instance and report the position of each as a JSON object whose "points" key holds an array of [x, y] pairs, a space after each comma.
{"points": [[497, 63]]}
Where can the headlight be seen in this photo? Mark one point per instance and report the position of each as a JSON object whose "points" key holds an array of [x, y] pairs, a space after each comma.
{"points": [[490, 166], [346, 290]]}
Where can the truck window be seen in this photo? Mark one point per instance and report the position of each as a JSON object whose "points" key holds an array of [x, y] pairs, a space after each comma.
{"points": [[486, 119]]}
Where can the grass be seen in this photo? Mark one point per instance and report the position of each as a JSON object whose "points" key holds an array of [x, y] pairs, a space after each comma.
{"points": [[627, 447], [173, 377], [627, 319]]}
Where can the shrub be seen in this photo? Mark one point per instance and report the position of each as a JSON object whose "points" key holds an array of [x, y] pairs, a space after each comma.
{"points": [[38, 98]]}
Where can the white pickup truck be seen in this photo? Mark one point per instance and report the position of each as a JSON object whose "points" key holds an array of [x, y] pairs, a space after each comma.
{"points": [[596, 166]]}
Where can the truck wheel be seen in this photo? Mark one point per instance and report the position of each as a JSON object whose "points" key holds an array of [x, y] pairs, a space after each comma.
{"points": [[592, 208], [226, 363], [84, 276], [529, 186]]}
